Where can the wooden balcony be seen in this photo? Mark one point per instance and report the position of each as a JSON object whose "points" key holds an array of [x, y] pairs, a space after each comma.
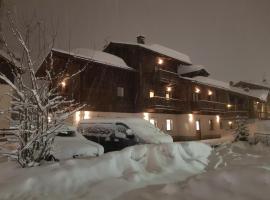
{"points": [[208, 106], [237, 110], [162, 104], [166, 76]]}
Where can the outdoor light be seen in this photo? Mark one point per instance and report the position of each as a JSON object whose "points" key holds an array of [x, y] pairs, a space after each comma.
{"points": [[257, 102], [49, 119], [230, 123], [197, 90], [169, 89], [160, 61], [190, 118], [86, 115], [218, 118], [77, 116], [146, 116], [229, 106], [210, 92], [63, 83], [151, 94]]}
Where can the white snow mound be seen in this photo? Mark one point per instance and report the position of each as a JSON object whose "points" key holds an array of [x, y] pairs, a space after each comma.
{"points": [[105, 177]]}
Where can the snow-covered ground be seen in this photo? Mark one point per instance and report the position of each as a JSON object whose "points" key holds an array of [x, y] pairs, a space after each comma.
{"points": [[186, 170], [105, 177]]}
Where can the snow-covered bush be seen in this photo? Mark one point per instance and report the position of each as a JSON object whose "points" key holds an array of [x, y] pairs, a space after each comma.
{"points": [[241, 131], [36, 103]]}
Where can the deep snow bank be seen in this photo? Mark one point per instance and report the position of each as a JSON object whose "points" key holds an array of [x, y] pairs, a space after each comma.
{"points": [[107, 176]]}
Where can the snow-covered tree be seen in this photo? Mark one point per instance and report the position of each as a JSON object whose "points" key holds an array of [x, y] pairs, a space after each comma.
{"points": [[241, 131], [36, 102]]}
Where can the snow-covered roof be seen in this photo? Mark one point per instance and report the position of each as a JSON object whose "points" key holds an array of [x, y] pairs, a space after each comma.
{"points": [[7, 57], [226, 86], [261, 94], [264, 84], [162, 50], [97, 56], [186, 69]]}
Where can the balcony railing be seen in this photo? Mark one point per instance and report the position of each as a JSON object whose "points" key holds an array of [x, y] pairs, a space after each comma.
{"points": [[166, 76], [163, 103], [237, 110], [208, 106]]}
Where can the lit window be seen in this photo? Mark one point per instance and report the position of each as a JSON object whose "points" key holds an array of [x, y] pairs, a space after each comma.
{"points": [[86, 115], [153, 121], [77, 116], [120, 91], [169, 125], [167, 95], [160, 61], [211, 124], [151, 94], [198, 126]]}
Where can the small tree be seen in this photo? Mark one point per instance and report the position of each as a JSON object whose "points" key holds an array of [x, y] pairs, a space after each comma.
{"points": [[39, 107], [241, 131]]}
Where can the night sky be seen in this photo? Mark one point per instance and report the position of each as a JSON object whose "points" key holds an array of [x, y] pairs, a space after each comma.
{"points": [[229, 37]]}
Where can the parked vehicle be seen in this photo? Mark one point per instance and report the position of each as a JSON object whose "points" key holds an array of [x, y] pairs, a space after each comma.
{"points": [[69, 143], [111, 135], [116, 134]]}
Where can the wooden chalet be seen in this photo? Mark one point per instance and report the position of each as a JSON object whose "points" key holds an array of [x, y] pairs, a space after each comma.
{"points": [[154, 82]]}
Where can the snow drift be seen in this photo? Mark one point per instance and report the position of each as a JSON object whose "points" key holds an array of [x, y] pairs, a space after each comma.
{"points": [[107, 176]]}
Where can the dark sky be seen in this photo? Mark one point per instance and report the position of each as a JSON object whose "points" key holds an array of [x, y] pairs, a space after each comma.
{"points": [[230, 37]]}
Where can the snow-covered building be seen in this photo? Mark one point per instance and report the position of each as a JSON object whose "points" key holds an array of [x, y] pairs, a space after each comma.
{"points": [[153, 82], [260, 89]]}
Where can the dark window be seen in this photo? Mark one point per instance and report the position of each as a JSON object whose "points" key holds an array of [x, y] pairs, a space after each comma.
{"points": [[211, 124]]}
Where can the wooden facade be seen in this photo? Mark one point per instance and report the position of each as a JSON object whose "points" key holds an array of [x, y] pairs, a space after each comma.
{"points": [[100, 86], [163, 91]]}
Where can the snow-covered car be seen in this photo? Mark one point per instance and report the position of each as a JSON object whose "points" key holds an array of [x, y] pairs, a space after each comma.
{"points": [[116, 134], [69, 143], [111, 135]]}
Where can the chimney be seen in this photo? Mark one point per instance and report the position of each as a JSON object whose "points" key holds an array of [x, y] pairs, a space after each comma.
{"points": [[140, 39]]}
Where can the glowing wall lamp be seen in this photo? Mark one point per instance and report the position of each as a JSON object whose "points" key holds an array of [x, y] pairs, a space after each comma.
{"points": [[190, 118], [197, 90], [210, 93], [63, 84], [160, 61], [229, 106], [218, 118], [169, 89], [77, 116], [146, 116]]}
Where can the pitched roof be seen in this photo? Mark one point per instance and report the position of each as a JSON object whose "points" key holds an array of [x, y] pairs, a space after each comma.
{"points": [[162, 50], [97, 56]]}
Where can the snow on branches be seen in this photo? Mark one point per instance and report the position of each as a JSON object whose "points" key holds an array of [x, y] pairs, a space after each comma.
{"points": [[38, 107]]}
